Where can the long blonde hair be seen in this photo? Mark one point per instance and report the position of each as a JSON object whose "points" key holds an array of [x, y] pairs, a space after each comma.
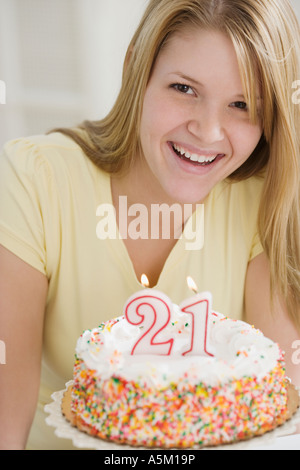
{"points": [[266, 37]]}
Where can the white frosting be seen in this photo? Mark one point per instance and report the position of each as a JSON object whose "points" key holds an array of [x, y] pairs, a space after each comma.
{"points": [[239, 350]]}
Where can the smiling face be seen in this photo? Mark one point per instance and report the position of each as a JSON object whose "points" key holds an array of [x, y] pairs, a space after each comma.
{"points": [[195, 126]]}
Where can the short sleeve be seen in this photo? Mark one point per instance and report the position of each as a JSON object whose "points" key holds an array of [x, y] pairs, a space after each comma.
{"points": [[23, 175], [256, 248]]}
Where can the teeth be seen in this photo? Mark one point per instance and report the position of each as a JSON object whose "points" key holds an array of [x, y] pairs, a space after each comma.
{"points": [[193, 156]]}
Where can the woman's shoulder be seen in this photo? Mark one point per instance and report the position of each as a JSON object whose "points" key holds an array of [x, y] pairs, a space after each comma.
{"points": [[54, 139], [242, 191], [52, 153], [38, 146], [237, 200], [250, 188]]}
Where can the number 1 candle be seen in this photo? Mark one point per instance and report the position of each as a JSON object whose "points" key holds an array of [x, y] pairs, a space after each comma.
{"points": [[199, 307]]}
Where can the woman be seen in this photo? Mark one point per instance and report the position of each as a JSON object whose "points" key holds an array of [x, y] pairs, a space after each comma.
{"points": [[204, 117]]}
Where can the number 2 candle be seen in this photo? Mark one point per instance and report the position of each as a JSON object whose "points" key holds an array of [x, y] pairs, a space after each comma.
{"points": [[151, 311]]}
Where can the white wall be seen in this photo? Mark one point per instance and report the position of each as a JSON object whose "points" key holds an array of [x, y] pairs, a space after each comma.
{"points": [[296, 6], [61, 60]]}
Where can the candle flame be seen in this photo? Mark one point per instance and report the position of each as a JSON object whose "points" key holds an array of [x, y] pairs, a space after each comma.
{"points": [[192, 285], [144, 280]]}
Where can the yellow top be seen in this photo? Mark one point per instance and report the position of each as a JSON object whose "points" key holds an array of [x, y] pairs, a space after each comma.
{"points": [[51, 197]]}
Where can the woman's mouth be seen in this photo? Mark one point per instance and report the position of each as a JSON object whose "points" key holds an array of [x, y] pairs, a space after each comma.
{"points": [[195, 158]]}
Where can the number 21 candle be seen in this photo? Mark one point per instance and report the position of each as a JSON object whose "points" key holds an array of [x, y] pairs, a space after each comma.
{"points": [[151, 310]]}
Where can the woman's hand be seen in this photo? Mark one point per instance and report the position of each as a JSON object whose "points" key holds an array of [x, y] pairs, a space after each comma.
{"points": [[23, 292]]}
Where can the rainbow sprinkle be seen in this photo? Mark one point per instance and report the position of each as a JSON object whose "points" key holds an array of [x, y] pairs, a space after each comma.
{"points": [[194, 416]]}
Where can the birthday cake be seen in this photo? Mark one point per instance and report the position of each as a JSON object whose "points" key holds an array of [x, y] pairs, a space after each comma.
{"points": [[202, 384]]}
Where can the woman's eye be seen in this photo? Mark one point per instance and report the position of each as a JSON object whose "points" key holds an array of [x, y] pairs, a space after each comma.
{"points": [[186, 89], [240, 105]]}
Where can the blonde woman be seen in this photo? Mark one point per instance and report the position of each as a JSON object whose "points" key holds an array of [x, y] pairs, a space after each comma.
{"points": [[204, 118]]}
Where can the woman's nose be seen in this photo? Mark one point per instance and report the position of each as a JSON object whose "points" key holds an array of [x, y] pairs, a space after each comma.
{"points": [[207, 126]]}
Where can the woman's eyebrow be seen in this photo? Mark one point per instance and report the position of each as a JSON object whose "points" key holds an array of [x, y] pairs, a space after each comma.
{"points": [[242, 97], [186, 77], [196, 82]]}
